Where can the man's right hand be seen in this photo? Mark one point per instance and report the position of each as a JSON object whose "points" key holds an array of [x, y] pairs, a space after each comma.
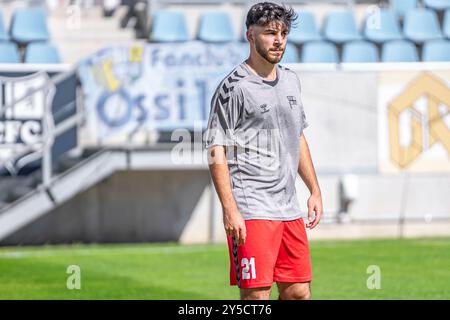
{"points": [[235, 225]]}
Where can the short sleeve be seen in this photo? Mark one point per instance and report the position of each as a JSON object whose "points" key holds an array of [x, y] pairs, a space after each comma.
{"points": [[223, 119], [304, 122]]}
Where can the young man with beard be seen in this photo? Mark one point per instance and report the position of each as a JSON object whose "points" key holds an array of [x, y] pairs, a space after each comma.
{"points": [[256, 148]]}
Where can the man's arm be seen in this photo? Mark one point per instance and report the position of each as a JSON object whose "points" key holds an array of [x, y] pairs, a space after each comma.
{"points": [[307, 173], [232, 219]]}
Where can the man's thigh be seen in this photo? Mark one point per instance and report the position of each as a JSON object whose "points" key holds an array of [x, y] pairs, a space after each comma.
{"points": [[293, 262], [252, 264]]}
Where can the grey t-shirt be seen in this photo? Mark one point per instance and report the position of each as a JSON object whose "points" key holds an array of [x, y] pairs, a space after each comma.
{"points": [[260, 122]]}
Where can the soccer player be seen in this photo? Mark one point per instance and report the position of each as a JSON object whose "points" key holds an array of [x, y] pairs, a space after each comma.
{"points": [[256, 147]]}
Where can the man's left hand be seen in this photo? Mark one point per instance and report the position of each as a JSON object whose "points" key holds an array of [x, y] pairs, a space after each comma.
{"points": [[315, 210]]}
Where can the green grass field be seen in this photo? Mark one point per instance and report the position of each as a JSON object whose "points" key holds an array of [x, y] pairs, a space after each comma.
{"points": [[410, 269]]}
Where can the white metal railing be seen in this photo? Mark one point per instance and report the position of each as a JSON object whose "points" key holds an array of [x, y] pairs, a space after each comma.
{"points": [[57, 130]]}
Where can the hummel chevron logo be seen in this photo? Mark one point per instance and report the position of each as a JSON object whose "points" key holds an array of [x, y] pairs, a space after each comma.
{"points": [[231, 79], [227, 89], [224, 93], [223, 100]]}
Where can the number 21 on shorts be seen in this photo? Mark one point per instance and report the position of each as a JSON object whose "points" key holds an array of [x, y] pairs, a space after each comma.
{"points": [[248, 268]]}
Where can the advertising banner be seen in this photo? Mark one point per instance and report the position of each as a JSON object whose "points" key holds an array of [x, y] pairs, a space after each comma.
{"points": [[414, 121], [130, 92]]}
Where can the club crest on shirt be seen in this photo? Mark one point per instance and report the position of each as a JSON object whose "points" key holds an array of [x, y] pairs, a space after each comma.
{"points": [[292, 101]]}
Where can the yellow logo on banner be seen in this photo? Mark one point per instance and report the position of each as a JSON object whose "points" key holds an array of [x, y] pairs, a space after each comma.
{"points": [[424, 133], [104, 71], [136, 54]]}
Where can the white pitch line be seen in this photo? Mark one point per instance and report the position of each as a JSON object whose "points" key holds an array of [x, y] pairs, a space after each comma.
{"points": [[110, 251]]}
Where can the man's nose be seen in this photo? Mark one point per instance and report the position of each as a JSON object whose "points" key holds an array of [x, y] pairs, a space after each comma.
{"points": [[278, 38]]}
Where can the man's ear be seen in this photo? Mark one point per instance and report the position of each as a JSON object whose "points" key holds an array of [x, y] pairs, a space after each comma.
{"points": [[249, 34]]}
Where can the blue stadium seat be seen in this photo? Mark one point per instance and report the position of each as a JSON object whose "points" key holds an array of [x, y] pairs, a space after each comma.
{"points": [[3, 33], [29, 25], [359, 51], [9, 53], [216, 27], [305, 30], [382, 26], [40, 52], [340, 27], [319, 52], [446, 23], [436, 50], [437, 5], [290, 54], [169, 26], [422, 25], [399, 51], [401, 7]]}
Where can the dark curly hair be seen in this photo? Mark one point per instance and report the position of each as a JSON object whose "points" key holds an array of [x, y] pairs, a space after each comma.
{"points": [[265, 12]]}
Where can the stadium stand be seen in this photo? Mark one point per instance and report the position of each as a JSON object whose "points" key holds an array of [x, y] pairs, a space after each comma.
{"points": [[437, 4], [446, 24], [359, 51], [216, 27], [29, 25], [39, 52], [3, 33], [319, 52], [9, 53], [399, 51], [340, 27], [382, 26], [306, 30], [436, 50], [401, 7], [422, 25], [172, 21], [80, 31], [169, 26]]}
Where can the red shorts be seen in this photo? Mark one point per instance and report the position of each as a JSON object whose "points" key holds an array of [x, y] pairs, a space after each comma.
{"points": [[274, 251]]}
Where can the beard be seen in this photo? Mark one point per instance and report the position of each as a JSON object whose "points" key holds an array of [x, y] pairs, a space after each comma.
{"points": [[266, 56]]}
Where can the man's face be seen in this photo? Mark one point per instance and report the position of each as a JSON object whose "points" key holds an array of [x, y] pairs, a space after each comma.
{"points": [[269, 40]]}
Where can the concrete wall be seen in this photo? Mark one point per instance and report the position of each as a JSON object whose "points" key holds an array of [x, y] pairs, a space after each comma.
{"points": [[148, 206], [341, 109], [418, 197], [132, 206]]}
